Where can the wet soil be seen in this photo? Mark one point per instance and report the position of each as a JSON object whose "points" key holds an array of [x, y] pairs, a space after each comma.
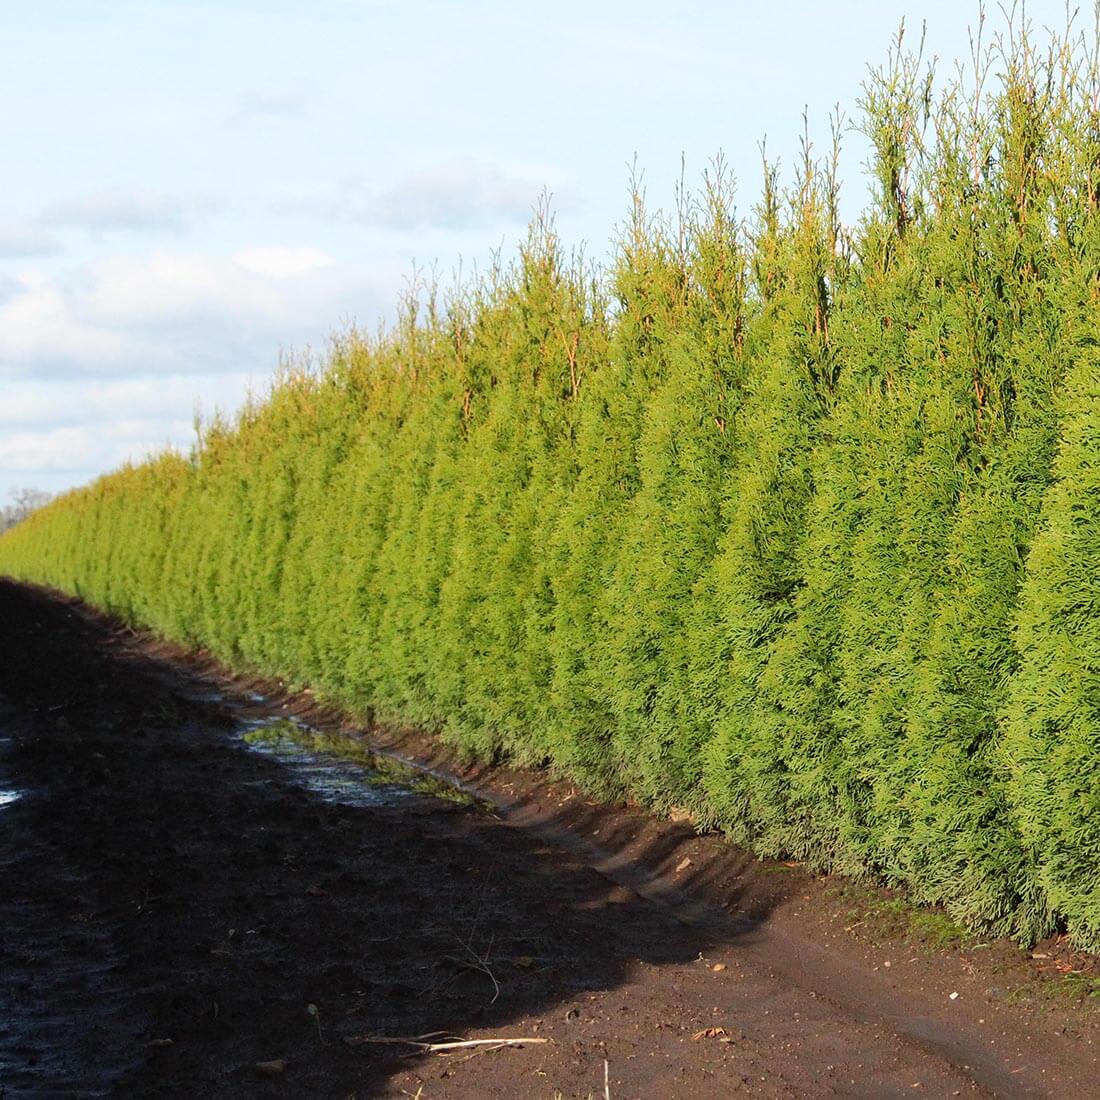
{"points": [[181, 916]]}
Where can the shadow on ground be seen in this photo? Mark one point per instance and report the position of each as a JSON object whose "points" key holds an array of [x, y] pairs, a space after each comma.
{"points": [[172, 905]]}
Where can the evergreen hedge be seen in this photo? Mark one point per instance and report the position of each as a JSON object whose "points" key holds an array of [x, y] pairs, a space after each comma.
{"points": [[794, 525]]}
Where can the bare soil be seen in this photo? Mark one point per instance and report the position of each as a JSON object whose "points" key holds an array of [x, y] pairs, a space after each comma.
{"points": [[178, 917]]}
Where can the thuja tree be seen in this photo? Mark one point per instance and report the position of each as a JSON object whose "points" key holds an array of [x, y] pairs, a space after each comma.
{"points": [[570, 362], [859, 443], [349, 516], [522, 455], [790, 374], [1049, 748], [686, 453], [390, 484], [593, 643], [945, 803]]}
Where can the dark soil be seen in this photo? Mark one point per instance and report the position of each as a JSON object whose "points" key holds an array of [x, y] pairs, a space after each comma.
{"points": [[176, 912]]}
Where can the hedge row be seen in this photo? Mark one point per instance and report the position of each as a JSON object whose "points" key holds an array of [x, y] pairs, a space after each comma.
{"points": [[794, 525]]}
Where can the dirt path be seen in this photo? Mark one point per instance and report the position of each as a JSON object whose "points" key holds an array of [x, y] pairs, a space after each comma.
{"points": [[171, 905]]}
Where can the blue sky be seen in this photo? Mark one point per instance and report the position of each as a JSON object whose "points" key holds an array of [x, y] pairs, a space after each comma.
{"points": [[192, 189]]}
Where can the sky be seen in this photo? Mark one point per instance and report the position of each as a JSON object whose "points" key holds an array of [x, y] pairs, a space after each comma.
{"points": [[193, 190]]}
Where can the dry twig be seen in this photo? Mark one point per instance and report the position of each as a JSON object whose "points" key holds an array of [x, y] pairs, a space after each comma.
{"points": [[421, 1042]]}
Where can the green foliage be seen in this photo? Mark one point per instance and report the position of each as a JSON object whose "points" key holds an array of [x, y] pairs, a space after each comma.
{"points": [[789, 524], [1052, 747]]}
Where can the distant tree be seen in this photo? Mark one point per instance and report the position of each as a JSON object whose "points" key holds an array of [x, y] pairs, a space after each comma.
{"points": [[23, 502]]}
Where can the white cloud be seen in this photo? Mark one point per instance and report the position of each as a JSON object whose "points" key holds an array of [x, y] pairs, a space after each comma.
{"points": [[454, 194], [282, 263], [267, 105], [41, 323], [87, 446], [135, 209], [9, 286], [57, 434], [19, 239], [182, 312], [38, 405], [106, 362]]}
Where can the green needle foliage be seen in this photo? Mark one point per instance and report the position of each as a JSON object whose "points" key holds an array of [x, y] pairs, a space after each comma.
{"points": [[792, 524]]}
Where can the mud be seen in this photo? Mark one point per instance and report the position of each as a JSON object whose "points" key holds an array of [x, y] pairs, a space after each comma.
{"points": [[181, 915]]}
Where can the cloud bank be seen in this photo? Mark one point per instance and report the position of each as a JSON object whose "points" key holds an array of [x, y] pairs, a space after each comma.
{"points": [[179, 312], [19, 240], [131, 209], [455, 194], [102, 363]]}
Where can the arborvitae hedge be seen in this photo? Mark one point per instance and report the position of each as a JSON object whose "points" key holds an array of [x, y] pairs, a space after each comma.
{"points": [[792, 525]]}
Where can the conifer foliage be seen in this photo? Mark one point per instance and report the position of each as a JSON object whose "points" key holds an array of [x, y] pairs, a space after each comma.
{"points": [[793, 524]]}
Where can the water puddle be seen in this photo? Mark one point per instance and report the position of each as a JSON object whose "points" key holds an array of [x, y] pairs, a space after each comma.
{"points": [[341, 768], [7, 797]]}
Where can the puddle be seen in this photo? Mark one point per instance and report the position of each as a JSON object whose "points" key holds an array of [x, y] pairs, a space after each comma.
{"points": [[342, 768]]}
